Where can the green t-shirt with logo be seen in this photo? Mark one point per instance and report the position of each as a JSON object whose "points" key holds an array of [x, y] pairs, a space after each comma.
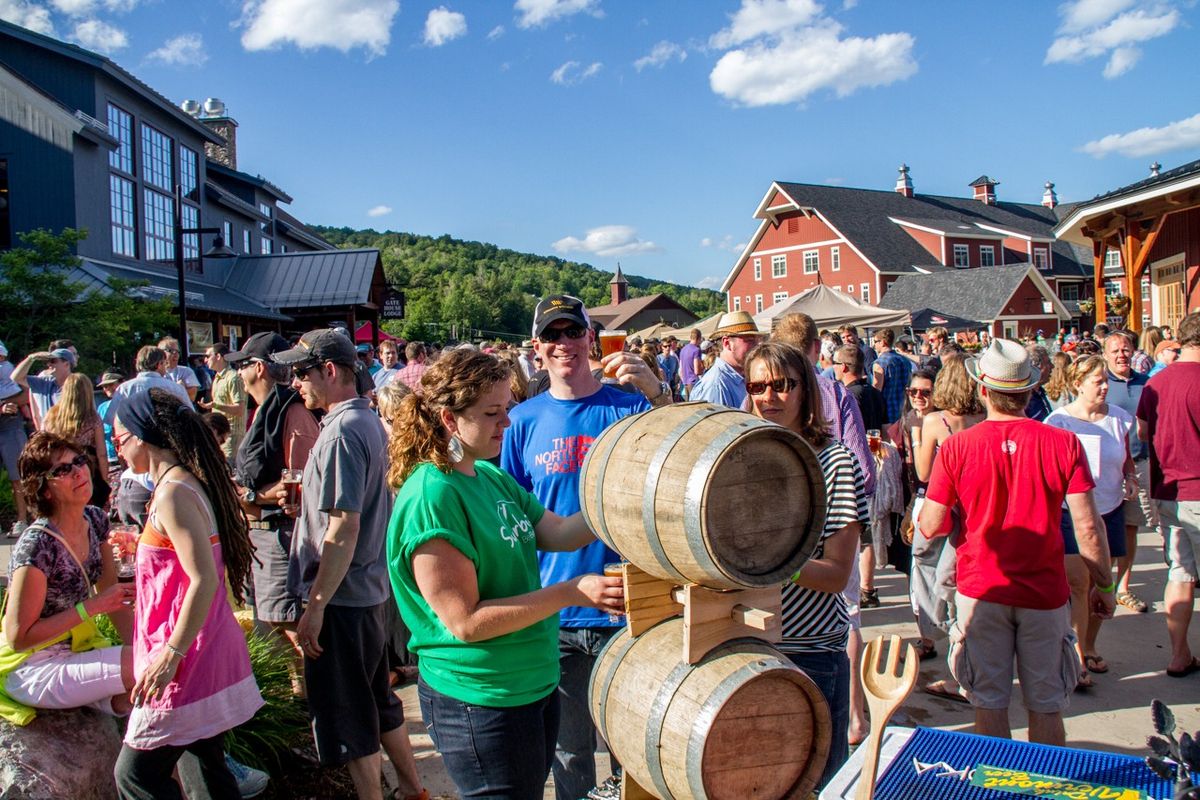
{"points": [[490, 519]]}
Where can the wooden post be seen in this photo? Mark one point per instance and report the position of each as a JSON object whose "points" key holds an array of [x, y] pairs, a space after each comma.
{"points": [[1131, 250], [632, 790], [712, 617], [648, 600], [1099, 248]]}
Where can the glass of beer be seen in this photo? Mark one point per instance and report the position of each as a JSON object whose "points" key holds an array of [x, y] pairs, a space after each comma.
{"points": [[874, 441], [614, 570], [125, 539], [291, 479], [611, 342]]}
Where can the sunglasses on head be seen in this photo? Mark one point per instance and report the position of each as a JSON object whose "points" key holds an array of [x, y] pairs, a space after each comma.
{"points": [[779, 385], [920, 392], [63, 470], [552, 335]]}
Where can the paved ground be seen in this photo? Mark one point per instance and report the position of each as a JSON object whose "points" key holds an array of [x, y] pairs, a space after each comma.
{"points": [[1113, 716]]}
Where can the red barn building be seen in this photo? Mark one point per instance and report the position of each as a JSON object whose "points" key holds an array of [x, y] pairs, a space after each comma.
{"points": [[861, 241]]}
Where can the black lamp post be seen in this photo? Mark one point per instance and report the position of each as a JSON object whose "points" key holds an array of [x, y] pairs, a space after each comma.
{"points": [[218, 250]]}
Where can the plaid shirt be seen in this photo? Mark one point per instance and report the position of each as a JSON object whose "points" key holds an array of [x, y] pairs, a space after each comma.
{"points": [[410, 376], [896, 371]]}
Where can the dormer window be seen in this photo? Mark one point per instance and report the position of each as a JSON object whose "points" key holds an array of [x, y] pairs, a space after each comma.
{"points": [[1041, 258], [987, 255], [962, 255]]}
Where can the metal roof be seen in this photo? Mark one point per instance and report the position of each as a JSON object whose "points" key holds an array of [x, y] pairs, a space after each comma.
{"points": [[302, 280], [969, 293]]}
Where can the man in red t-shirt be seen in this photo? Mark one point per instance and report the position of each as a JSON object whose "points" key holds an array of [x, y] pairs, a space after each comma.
{"points": [[1009, 476], [1168, 415]]}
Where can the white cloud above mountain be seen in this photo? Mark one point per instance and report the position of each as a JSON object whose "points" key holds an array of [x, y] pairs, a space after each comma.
{"points": [[1112, 28], [607, 241], [443, 25], [184, 50], [379, 211], [537, 13], [1181, 135], [659, 55], [312, 24], [573, 72], [783, 51]]}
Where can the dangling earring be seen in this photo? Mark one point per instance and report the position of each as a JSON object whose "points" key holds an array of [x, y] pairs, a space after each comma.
{"points": [[454, 449]]}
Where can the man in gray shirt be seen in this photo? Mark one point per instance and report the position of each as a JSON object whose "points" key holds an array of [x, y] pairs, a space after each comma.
{"points": [[339, 566]]}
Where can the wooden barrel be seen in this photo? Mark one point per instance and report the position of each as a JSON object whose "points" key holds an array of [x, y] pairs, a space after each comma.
{"points": [[744, 722], [698, 493]]}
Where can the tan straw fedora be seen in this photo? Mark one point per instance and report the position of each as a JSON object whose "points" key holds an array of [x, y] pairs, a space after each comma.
{"points": [[736, 323], [1004, 367]]}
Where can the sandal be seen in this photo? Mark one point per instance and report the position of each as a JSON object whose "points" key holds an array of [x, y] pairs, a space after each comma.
{"points": [[1095, 664], [926, 651], [1085, 682], [1133, 602], [869, 599], [942, 690]]}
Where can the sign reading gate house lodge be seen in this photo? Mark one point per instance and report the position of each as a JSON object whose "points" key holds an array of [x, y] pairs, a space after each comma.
{"points": [[393, 304]]}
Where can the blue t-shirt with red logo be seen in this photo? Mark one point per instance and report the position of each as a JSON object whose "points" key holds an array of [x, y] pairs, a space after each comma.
{"points": [[544, 449]]}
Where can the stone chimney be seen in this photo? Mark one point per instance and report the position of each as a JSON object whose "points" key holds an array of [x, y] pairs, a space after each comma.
{"points": [[903, 182], [215, 117], [1049, 198], [619, 287], [1154, 168], [985, 189]]}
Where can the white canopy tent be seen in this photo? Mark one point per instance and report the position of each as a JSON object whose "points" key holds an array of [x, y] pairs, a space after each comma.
{"points": [[830, 308]]}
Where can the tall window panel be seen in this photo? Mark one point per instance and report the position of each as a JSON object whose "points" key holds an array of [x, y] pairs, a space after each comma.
{"points": [[246, 240], [191, 241], [188, 173], [268, 246], [120, 127], [227, 232], [123, 216], [160, 217], [157, 166]]}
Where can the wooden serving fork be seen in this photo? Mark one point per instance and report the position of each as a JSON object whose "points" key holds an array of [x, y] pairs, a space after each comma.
{"points": [[886, 688]]}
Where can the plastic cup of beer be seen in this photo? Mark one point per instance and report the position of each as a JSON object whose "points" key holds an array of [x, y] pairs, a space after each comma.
{"points": [[125, 538], [611, 342], [874, 441], [291, 479], [615, 570]]}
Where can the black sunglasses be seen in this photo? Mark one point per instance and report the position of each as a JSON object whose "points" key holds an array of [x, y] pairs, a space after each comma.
{"points": [[779, 385], [920, 392], [63, 470], [552, 335], [300, 371]]}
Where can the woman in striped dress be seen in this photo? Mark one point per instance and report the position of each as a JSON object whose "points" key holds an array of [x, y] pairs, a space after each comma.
{"points": [[783, 389]]}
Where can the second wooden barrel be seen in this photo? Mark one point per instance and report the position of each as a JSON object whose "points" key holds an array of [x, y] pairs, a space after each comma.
{"points": [[698, 493], [742, 723]]}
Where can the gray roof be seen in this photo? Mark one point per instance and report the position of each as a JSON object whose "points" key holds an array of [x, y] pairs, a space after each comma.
{"points": [[302, 280], [862, 216], [1182, 171], [971, 293]]}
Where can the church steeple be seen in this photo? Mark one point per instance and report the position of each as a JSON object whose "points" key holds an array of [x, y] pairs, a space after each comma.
{"points": [[619, 287]]}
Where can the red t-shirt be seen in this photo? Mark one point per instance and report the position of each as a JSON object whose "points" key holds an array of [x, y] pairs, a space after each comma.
{"points": [[1009, 480], [1170, 405]]}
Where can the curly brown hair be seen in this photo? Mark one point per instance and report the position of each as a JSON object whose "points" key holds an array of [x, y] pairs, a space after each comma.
{"points": [[454, 382], [34, 467], [1057, 387], [953, 389]]}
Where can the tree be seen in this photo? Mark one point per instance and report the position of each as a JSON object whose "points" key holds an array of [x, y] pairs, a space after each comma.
{"points": [[39, 302]]}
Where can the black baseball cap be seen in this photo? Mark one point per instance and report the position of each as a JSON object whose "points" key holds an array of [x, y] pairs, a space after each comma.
{"points": [[559, 306], [319, 346], [261, 346]]}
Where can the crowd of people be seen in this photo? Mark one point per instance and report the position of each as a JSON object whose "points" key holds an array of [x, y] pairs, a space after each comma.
{"points": [[412, 513]]}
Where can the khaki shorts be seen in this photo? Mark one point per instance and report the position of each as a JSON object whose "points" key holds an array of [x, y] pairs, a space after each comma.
{"points": [[986, 636], [1142, 511], [1181, 526]]}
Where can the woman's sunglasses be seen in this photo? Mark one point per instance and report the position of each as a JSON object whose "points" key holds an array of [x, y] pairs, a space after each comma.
{"points": [[63, 470], [779, 385], [920, 392], [552, 335]]}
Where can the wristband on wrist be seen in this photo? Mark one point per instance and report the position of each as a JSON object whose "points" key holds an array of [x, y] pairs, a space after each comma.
{"points": [[1112, 587], [173, 649], [84, 616]]}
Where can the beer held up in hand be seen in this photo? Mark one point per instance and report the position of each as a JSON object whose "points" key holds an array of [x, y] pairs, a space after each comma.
{"points": [[611, 342]]}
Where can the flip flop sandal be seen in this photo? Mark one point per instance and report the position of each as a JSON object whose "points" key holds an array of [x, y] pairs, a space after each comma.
{"points": [[1095, 664], [1133, 602], [1085, 682], [1188, 670], [926, 651], [939, 689]]}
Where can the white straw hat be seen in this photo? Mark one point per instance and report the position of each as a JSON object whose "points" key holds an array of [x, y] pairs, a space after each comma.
{"points": [[1004, 367]]}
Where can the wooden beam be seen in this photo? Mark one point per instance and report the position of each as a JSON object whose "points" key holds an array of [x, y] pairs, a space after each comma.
{"points": [[1099, 247], [1138, 244]]}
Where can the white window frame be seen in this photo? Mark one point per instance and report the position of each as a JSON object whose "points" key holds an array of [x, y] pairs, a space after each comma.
{"points": [[779, 297], [812, 262], [737, 303], [835, 258], [849, 288], [779, 265], [987, 255], [758, 306], [758, 269], [1041, 258], [865, 294], [1112, 258], [965, 251]]}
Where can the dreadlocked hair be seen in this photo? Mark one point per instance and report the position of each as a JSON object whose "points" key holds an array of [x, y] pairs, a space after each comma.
{"points": [[176, 427], [454, 382]]}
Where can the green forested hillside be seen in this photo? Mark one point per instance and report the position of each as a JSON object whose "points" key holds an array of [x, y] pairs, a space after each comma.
{"points": [[457, 286]]}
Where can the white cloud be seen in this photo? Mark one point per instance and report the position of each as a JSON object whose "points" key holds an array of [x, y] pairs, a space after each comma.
{"points": [[1179, 135], [789, 55], [379, 211], [184, 50], [443, 25], [100, 36], [309, 24], [710, 282], [496, 32], [1115, 37], [725, 243], [81, 8], [535, 13], [607, 241], [27, 15], [660, 54], [572, 72]]}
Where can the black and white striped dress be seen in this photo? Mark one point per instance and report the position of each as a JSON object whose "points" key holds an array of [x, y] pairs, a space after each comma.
{"points": [[818, 621]]}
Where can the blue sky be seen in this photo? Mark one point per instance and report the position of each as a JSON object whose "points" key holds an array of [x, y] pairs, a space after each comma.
{"points": [[647, 132]]}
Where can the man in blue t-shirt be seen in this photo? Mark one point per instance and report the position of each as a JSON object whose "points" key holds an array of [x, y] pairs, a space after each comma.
{"points": [[544, 449]]}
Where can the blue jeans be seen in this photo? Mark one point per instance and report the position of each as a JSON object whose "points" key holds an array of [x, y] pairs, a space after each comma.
{"points": [[831, 673], [492, 753], [575, 756]]}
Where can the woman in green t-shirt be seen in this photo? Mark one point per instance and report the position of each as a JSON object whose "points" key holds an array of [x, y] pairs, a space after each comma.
{"points": [[462, 557]]}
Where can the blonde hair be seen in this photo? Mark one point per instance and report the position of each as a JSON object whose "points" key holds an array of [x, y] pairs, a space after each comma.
{"points": [[455, 382], [388, 398], [516, 379], [1151, 336], [953, 389], [1058, 386], [1083, 368], [75, 412]]}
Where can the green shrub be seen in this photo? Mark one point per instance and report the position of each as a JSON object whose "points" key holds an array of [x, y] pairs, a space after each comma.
{"points": [[265, 740]]}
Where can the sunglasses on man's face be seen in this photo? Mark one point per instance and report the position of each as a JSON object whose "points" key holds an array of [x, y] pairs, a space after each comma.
{"points": [[63, 470], [300, 372], [779, 386], [552, 335], [920, 392]]}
